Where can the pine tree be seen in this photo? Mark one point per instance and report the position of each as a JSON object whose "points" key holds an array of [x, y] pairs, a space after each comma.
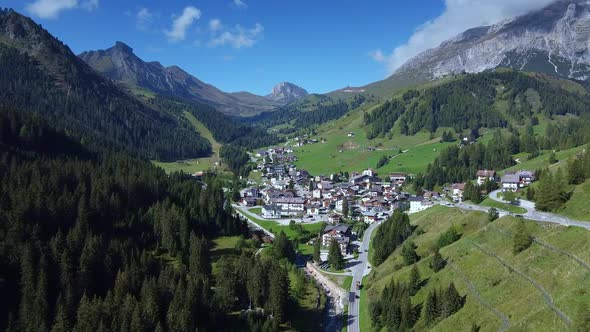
{"points": [[431, 308], [278, 292], [451, 301], [199, 264], [317, 249], [493, 214], [438, 263], [409, 253], [415, 280], [345, 207], [522, 238], [335, 256]]}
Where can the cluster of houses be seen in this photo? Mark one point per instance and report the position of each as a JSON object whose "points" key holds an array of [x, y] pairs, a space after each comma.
{"points": [[292, 193], [510, 181]]}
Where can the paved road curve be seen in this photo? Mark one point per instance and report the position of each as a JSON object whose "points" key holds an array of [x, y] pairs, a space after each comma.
{"points": [[358, 271], [533, 214]]}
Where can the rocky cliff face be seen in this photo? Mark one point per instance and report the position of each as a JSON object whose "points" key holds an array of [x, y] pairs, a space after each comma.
{"points": [[120, 64], [286, 91], [554, 40]]}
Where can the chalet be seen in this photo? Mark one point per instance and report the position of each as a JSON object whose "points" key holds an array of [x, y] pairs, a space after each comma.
{"points": [[429, 194], [274, 194], [457, 190], [250, 192], [271, 211], [485, 174], [341, 233], [526, 177], [247, 201], [418, 204], [358, 179], [290, 206], [369, 217], [398, 178], [516, 180], [510, 182], [334, 219]]}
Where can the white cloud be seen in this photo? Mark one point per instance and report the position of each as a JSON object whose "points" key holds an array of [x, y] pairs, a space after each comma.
{"points": [[50, 9], [458, 16], [377, 55], [215, 25], [181, 24], [239, 4], [143, 18], [237, 37]]}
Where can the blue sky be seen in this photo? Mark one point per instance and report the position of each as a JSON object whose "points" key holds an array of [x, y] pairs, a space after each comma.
{"points": [[250, 45]]}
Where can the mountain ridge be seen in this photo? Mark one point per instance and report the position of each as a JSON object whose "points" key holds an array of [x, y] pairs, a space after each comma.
{"points": [[120, 64], [552, 40]]}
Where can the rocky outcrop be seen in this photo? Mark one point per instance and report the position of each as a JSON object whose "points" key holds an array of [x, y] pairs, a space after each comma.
{"points": [[554, 40], [286, 91]]}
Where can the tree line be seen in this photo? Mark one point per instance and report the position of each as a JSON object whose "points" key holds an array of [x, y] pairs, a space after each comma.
{"points": [[88, 107], [392, 233], [469, 103]]}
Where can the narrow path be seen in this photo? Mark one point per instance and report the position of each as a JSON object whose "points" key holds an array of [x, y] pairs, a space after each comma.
{"points": [[505, 321], [549, 247], [546, 296]]}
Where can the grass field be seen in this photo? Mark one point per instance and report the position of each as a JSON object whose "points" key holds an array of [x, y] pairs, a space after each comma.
{"points": [[504, 206], [276, 228], [542, 161], [578, 206], [195, 165], [564, 279], [344, 153]]}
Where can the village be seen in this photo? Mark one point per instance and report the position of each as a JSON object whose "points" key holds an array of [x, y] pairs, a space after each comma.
{"points": [[288, 194]]}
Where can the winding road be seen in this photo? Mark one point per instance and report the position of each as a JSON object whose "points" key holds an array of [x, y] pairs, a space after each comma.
{"points": [[359, 270], [533, 214]]}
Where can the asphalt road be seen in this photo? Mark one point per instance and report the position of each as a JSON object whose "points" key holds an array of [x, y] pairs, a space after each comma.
{"points": [[358, 271], [533, 214]]}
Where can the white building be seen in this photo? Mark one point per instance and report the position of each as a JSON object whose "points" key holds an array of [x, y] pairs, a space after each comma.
{"points": [[418, 204], [290, 206], [271, 211]]}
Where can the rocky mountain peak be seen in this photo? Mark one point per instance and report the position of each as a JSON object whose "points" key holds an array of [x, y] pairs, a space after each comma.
{"points": [[122, 47], [286, 91], [553, 40]]}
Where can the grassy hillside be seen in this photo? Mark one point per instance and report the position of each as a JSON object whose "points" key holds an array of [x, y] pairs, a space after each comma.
{"points": [[499, 290], [577, 206], [512, 99], [200, 164]]}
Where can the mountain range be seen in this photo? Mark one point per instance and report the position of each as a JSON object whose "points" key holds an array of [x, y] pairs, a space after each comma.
{"points": [[121, 65], [552, 40]]}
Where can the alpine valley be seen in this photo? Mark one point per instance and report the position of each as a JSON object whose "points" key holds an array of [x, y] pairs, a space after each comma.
{"points": [[451, 195]]}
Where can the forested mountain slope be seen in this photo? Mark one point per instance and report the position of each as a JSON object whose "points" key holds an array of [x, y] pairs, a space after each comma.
{"points": [[491, 100], [57, 85]]}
